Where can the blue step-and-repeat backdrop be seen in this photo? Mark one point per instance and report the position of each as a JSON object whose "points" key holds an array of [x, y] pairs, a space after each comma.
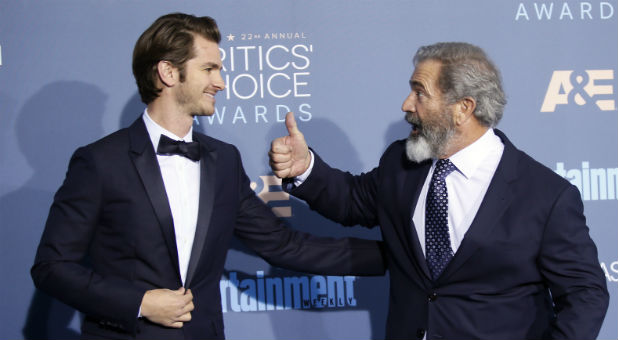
{"points": [[343, 67]]}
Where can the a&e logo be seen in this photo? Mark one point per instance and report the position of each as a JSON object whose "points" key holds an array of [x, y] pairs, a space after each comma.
{"points": [[568, 87]]}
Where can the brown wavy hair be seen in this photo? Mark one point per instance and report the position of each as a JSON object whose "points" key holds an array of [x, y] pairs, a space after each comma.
{"points": [[169, 38]]}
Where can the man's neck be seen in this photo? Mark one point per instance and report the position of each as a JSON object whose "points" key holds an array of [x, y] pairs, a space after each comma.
{"points": [[461, 140], [169, 117]]}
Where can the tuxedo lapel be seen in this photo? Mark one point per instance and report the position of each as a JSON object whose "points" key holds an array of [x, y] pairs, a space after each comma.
{"points": [[497, 199], [206, 202], [145, 160]]}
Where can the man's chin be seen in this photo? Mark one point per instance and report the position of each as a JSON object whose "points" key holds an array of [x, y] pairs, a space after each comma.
{"points": [[203, 113], [417, 149]]}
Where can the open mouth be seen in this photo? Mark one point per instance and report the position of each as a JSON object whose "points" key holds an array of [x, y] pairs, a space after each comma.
{"points": [[415, 123], [416, 129]]}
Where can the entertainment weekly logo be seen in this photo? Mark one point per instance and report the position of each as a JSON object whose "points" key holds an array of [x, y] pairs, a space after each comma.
{"points": [[570, 87], [266, 76], [594, 184], [260, 293], [248, 293]]}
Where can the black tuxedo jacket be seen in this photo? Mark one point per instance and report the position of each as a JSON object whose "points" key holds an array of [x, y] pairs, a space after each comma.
{"points": [[526, 268], [110, 237]]}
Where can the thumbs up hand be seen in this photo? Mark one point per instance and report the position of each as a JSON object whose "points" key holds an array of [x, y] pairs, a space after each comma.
{"points": [[289, 155]]}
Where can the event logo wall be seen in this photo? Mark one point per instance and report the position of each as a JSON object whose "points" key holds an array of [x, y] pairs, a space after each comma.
{"points": [[291, 292], [582, 88], [562, 10], [266, 76], [261, 293], [275, 197], [258, 293], [611, 271], [593, 183]]}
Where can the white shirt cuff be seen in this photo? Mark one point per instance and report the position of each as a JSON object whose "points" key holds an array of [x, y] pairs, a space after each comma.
{"points": [[298, 180]]}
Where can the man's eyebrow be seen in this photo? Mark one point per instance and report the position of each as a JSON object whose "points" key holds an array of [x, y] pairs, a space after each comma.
{"points": [[415, 83], [211, 64]]}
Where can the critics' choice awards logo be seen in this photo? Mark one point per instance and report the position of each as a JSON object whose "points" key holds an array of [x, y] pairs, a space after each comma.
{"points": [[564, 11], [266, 75], [570, 87]]}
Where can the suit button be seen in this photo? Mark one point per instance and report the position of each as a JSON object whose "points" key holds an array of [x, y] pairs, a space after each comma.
{"points": [[432, 297], [420, 333]]}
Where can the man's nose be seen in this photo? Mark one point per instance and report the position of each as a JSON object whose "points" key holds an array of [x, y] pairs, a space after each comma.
{"points": [[218, 82], [409, 104]]}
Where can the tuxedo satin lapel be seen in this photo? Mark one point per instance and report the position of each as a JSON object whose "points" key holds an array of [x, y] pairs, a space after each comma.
{"points": [[145, 160], [411, 191], [497, 199], [207, 196]]}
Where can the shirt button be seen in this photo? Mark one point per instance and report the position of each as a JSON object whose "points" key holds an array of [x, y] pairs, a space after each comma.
{"points": [[432, 297]]}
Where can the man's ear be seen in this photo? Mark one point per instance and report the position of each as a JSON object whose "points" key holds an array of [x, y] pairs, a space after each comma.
{"points": [[464, 110], [168, 73]]}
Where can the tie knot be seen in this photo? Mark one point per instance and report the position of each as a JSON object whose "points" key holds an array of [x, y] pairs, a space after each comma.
{"points": [[443, 168]]}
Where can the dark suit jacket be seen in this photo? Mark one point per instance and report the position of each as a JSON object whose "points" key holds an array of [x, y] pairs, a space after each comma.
{"points": [[112, 212], [527, 247]]}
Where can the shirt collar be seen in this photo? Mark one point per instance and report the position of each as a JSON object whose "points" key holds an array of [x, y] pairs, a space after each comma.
{"points": [[155, 131], [468, 159]]}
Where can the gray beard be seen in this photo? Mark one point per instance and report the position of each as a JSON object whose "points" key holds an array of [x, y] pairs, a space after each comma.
{"points": [[418, 149], [429, 143]]}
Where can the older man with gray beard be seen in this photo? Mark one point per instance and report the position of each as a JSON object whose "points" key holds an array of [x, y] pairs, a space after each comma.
{"points": [[482, 241]]}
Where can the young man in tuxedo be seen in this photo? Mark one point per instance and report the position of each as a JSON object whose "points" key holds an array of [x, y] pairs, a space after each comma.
{"points": [[481, 240], [137, 235]]}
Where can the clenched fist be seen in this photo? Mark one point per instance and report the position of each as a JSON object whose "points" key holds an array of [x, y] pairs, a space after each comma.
{"points": [[170, 308]]}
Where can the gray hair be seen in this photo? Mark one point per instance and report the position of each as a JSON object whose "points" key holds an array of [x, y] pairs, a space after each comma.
{"points": [[466, 71]]}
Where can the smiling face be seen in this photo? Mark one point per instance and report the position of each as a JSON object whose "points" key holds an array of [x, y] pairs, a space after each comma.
{"points": [[196, 94], [428, 113]]}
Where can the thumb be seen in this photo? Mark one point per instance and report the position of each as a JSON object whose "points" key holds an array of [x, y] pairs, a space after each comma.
{"points": [[290, 123], [180, 291]]}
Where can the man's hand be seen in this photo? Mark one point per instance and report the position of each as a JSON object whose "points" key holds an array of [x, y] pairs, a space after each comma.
{"points": [[289, 155], [170, 308]]}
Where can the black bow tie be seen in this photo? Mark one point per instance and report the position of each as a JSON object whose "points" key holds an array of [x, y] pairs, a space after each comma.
{"points": [[168, 146]]}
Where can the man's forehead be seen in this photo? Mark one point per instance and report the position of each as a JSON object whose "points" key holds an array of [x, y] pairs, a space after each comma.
{"points": [[199, 42], [206, 51], [426, 72]]}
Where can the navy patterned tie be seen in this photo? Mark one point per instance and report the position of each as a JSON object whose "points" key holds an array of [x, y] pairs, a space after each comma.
{"points": [[438, 251]]}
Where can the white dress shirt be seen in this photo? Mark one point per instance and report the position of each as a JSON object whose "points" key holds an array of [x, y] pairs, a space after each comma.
{"points": [[181, 177], [466, 186]]}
